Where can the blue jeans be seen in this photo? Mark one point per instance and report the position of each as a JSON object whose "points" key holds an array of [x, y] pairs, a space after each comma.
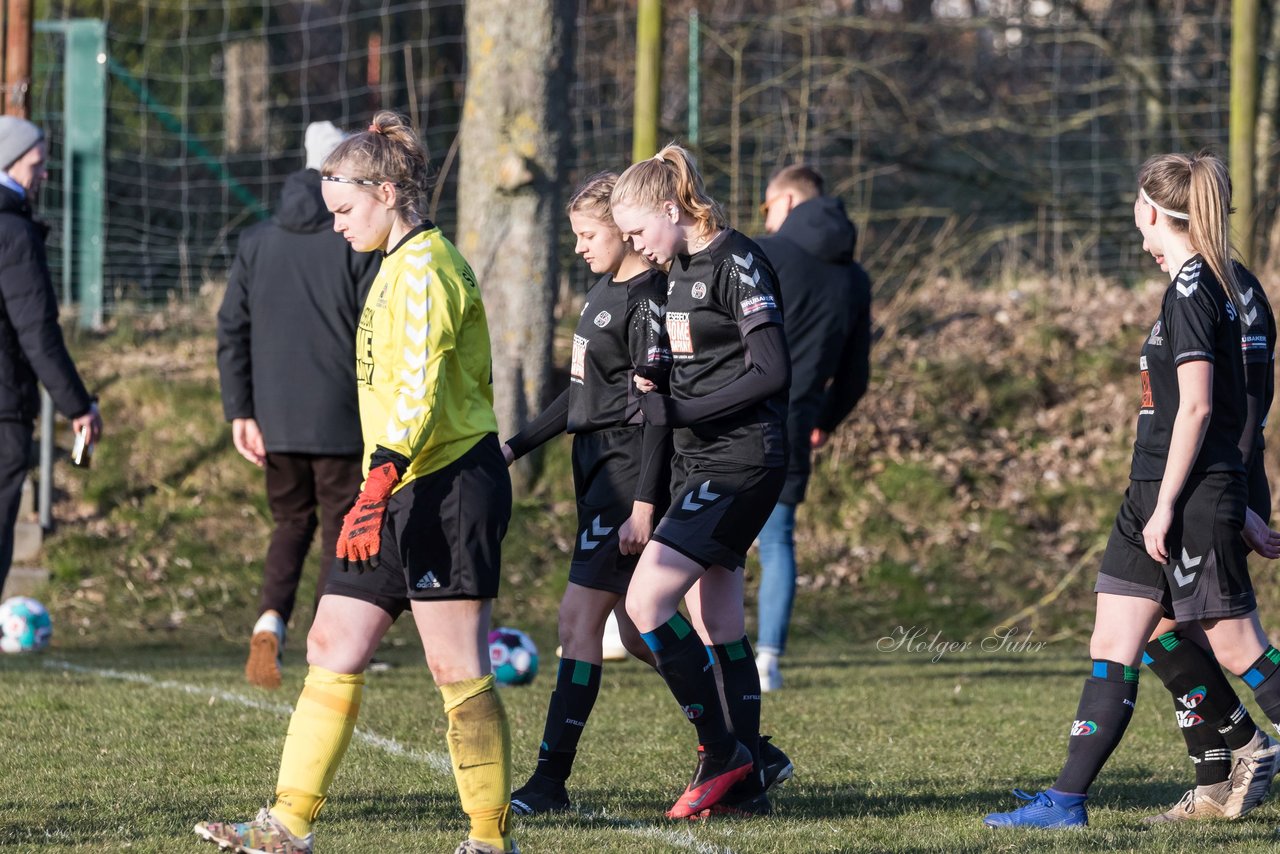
{"points": [[777, 578]]}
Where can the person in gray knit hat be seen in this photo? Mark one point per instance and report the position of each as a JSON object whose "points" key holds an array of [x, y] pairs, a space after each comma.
{"points": [[31, 344]]}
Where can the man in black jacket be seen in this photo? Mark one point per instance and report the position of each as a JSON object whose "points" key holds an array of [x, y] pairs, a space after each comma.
{"points": [[827, 299], [31, 344], [286, 356]]}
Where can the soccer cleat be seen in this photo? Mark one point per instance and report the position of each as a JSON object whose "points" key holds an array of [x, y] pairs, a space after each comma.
{"points": [[475, 846], [767, 668], [775, 767], [1042, 811], [712, 781], [540, 795], [1198, 804], [1251, 775], [752, 806], [263, 667], [264, 835]]}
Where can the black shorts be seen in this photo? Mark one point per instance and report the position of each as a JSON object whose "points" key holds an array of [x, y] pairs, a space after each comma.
{"points": [[1207, 576], [1259, 488], [606, 466], [441, 537], [716, 514]]}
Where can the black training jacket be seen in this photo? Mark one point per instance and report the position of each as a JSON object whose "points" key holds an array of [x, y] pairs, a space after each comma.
{"points": [[828, 321], [31, 344], [287, 326]]}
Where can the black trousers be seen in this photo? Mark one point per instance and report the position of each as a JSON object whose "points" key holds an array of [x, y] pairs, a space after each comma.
{"points": [[15, 459], [298, 484]]}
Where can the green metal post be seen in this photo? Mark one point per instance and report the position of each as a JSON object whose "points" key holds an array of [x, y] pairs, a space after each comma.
{"points": [[695, 82], [84, 160], [648, 79], [1244, 114]]}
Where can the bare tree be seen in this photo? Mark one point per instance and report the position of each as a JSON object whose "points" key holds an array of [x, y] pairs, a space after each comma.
{"points": [[514, 122]]}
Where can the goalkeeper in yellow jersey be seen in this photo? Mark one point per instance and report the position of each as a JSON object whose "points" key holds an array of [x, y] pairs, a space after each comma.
{"points": [[426, 531]]}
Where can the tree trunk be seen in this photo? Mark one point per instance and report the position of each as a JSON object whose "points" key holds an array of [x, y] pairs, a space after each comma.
{"points": [[514, 139]]}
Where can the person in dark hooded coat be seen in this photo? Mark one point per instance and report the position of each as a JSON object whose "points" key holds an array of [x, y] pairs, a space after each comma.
{"points": [[286, 350], [827, 296], [31, 345]]}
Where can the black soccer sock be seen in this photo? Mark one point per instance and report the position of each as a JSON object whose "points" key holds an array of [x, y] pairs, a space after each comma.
{"points": [[1208, 713], [1266, 688], [740, 687], [577, 685], [684, 665], [1106, 705]]}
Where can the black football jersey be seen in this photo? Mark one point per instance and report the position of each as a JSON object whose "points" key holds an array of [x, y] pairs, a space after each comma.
{"points": [[714, 298], [1258, 337], [619, 333], [1196, 322]]}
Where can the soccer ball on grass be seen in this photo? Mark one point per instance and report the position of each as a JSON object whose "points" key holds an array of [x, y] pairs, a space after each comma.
{"points": [[513, 656], [24, 625]]}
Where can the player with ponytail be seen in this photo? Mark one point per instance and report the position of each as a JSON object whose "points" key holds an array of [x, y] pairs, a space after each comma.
{"points": [[621, 473], [727, 404], [424, 379], [1176, 549]]}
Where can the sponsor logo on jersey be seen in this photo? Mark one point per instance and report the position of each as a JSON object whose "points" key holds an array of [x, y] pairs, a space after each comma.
{"points": [[757, 303], [1156, 339], [699, 290], [364, 348], [1193, 698], [603, 318], [1250, 343], [693, 711], [1188, 719], [578, 364], [1083, 728], [381, 301], [680, 334], [1148, 403]]}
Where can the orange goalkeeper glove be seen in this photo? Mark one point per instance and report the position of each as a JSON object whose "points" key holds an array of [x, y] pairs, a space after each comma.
{"points": [[361, 537]]}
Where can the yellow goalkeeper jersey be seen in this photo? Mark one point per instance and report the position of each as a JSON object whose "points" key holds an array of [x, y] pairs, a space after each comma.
{"points": [[423, 365]]}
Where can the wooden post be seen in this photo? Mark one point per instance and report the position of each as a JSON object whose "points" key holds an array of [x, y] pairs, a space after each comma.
{"points": [[17, 58], [644, 141], [1244, 108]]}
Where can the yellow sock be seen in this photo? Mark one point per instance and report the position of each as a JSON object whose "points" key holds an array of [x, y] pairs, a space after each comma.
{"points": [[319, 733], [480, 745]]}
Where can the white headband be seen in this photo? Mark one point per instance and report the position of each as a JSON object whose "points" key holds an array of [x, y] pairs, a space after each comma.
{"points": [[1165, 211]]}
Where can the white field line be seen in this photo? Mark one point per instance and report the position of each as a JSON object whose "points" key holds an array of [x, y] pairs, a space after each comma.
{"points": [[437, 761]]}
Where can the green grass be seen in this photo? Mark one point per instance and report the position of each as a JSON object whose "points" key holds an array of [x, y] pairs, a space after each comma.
{"points": [[126, 748], [932, 510]]}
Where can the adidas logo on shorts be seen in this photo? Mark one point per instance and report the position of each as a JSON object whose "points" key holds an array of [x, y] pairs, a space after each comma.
{"points": [[427, 581]]}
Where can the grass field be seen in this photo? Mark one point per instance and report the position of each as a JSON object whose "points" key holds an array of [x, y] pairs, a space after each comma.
{"points": [[126, 748], [949, 504]]}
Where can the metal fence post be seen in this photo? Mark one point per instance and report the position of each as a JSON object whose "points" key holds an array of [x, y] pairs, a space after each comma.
{"points": [[85, 82]]}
